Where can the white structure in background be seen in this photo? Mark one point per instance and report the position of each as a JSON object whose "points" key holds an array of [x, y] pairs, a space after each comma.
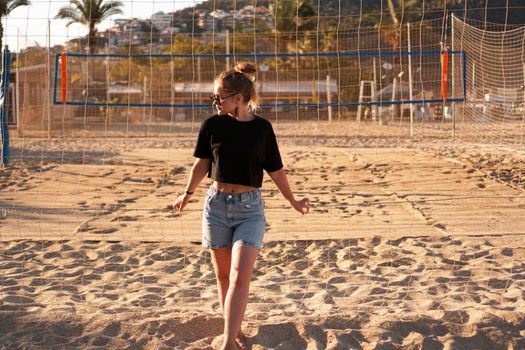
{"points": [[367, 93], [161, 20], [220, 20], [272, 92], [503, 100]]}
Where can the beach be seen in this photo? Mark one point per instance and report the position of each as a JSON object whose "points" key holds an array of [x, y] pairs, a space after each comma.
{"points": [[410, 243]]}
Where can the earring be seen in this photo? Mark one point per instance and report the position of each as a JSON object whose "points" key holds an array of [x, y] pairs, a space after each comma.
{"points": [[235, 112]]}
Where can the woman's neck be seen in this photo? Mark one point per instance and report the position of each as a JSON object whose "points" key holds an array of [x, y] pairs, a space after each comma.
{"points": [[243, 116]]}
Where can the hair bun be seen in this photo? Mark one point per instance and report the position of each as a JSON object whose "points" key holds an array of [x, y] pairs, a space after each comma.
{"points": [[246, 68]]}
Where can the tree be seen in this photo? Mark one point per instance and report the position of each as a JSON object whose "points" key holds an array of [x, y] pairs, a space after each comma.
{"points": [[90, 13], [291, 16], [6, 6], [403, 11]]}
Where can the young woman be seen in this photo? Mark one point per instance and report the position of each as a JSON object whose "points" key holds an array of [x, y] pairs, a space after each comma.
{"points": [[233, 148]]}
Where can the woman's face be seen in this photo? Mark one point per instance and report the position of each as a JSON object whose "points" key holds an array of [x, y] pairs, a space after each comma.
{"points": [[223, 101]]}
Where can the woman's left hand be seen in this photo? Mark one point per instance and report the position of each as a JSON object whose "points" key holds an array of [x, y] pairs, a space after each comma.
{"points": [[302, 206]]}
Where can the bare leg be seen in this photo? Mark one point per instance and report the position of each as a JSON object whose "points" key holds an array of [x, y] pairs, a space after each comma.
{"points": [[221, 259], [242, 261]]}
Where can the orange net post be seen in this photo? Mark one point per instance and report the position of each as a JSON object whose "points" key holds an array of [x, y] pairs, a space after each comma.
{"points": [[63, 76], [444, 74]]}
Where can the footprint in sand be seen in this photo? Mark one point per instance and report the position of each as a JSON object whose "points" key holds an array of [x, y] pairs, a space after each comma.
{"points": [[105, 230], [178, 170], [127, 200], [124, 218]]}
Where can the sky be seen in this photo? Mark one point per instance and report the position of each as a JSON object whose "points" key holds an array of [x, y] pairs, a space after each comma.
{"points": [[28, 25]]}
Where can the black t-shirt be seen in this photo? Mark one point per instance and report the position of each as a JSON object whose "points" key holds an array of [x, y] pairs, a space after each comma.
{"points": [[239, 151]]}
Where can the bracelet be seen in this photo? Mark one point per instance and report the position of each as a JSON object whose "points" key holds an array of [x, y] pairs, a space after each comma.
{"points": [[188, 192]]}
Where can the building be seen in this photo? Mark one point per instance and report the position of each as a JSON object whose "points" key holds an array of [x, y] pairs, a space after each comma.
{"points": [[161, 21], [242, 19]]}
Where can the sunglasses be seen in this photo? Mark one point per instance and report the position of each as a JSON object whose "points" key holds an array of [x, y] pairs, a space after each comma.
{"points": [[218, 100]]}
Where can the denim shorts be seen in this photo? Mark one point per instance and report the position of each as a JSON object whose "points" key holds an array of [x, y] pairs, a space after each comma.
{"points": [[233, 218]]}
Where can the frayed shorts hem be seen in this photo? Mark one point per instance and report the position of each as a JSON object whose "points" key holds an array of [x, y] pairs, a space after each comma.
{"points": [[253, 245]]}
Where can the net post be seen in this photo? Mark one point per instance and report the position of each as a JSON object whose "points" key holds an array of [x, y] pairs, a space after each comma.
{"points": [[172, 89], [452, 104], [410, 83], [144, 98], [4, 105], [375, 109], [49, 77], [393, 99], [360, 100], [329, 98], [63, 77], [444, 78], [227, 49], [523, 93], [17, 79], [464, 57], [55, 79], [199, 77]]}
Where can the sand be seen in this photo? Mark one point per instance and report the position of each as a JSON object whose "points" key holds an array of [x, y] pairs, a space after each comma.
{"points": [[410, 244]]}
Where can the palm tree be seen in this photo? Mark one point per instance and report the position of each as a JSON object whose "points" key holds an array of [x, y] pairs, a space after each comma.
{"points": [[292, 20], [402, 11], [294, 16], [6, 6], [90, 13]]}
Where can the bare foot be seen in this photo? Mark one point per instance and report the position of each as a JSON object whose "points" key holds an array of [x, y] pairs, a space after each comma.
{"points": [[241, 342]]}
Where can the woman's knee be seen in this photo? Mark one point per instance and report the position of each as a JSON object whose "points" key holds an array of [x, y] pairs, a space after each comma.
{"points": [[240, 277], [221, 264], [223, 276]]}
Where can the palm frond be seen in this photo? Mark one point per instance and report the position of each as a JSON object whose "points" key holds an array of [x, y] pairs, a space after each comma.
{"points": [[70, 14], [109, 9], [10, 5], [81, 7], [89, 12]]}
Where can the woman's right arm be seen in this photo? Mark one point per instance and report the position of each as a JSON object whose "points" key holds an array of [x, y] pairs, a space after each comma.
{"points": [[198, 172]]}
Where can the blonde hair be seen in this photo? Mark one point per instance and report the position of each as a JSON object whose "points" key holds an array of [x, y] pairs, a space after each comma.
{"points": [[240, 80]]}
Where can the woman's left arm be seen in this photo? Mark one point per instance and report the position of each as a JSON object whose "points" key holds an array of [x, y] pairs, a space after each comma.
{"points": [[280, 179]]}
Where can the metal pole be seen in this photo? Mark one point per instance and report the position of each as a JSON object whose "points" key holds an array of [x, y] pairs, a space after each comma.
{"points": [[172, 91], [360, 100], [17, 78], [442, 45], [452, 105], [410, 88], [4, 129], [474, 93], [49, 78], [199, 78], [4, 106], [329, 98], [144, 98], [393, 98], [374, 86], [523, 91], [227, 49]]}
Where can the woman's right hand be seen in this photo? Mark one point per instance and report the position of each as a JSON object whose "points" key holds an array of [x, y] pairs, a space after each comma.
{"points": [[181, 201]]}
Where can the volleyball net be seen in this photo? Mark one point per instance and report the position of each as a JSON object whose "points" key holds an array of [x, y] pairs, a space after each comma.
{"points": [[164, 87], [406, 73], [394, 131]]}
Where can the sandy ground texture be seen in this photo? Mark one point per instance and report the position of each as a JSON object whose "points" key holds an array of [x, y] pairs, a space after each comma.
{"points": [[367, 293], [411, 243]]}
